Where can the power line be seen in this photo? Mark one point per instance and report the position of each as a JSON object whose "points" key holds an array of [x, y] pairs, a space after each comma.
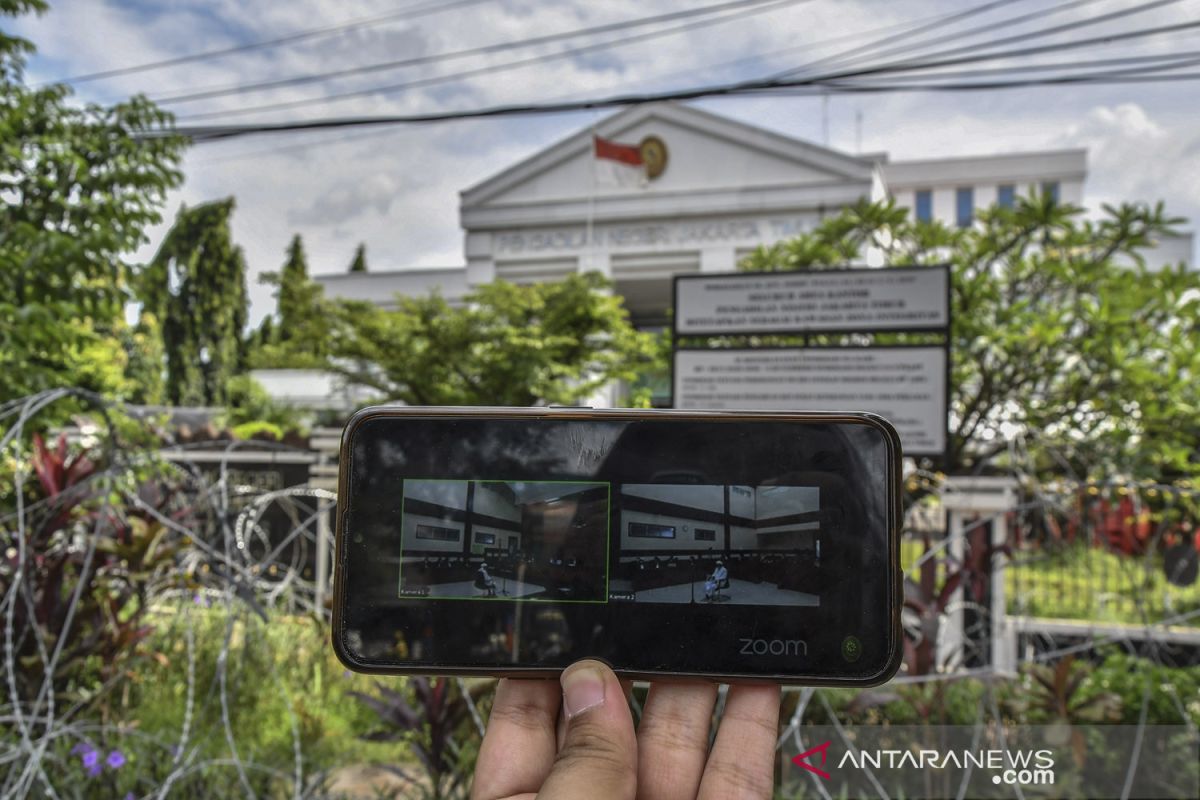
{"points": [[759, 8], [314, 33], [1025, 51], [906, 27], [1038, 34], [846, 58], [958, 81], [830, 82], [432, 58], [216, 132], [884, 68]]}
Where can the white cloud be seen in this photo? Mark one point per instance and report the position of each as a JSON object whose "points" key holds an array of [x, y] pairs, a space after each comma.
{"points": [[1134, 155], [398, 190]]}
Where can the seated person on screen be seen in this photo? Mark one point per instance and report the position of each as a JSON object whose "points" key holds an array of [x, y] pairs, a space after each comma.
{"points": [[484, 582], [717, 581]]}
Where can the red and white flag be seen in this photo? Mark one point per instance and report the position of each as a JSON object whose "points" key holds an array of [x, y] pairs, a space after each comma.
{"points": [[618, 164]]}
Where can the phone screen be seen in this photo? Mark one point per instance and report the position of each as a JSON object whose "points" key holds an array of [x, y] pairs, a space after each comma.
{"points": [[531, 542]]}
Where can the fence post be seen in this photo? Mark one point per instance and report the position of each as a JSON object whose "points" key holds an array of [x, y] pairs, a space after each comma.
{"points": [[324, 475], [992, 497]]}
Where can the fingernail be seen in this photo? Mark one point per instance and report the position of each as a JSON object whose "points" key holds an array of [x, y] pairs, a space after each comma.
{"points": [[583, 689]]}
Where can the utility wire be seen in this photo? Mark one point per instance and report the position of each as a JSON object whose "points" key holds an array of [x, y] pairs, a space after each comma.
{"points": [[629, 40], [905, 28], [433, 58], [208, 133], [1021, 37], [959, 81], [1174, 61], [504, 67], [901, 66], [856, 55], [314, 33]]}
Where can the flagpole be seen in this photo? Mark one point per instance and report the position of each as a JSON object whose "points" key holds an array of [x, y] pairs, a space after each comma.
{"points": [[591, 212]]}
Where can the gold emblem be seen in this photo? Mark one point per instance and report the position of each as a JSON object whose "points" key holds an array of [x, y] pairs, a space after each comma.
{"points": [[654, 156]]}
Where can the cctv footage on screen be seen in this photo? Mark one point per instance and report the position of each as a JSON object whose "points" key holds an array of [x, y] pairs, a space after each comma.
{"points": [[597, 542]]}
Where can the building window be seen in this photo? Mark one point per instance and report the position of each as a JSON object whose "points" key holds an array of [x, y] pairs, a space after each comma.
{"points": [[1006, 195], [1050, 188], [964, 204], [706, 535], [434, 532], [485, 538], [644, 530], [924, 205]]}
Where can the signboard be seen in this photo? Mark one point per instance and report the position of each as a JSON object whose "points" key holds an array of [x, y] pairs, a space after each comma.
{"points": [[813, 301], [905, 385]]}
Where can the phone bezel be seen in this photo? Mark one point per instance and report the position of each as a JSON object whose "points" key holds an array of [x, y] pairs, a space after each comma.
{"points": [[582, 413]]}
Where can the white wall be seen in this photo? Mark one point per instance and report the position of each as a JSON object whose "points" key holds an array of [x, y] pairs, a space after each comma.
{"points": [[708, 498], [488, 501], [451, 494], [410, 544], [779, 501]]}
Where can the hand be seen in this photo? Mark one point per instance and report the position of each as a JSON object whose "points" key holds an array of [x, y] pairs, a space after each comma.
{"points": [[576, 741]]}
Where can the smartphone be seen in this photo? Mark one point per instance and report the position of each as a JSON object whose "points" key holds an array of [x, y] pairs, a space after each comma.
{"points": [[732, 546]]}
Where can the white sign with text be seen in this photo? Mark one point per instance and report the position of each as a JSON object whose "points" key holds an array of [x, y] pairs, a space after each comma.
{"points": [[905, 385], [897, 298]]}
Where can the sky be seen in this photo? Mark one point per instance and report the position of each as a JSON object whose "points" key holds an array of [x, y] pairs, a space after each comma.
{"points": [[397, 190]]}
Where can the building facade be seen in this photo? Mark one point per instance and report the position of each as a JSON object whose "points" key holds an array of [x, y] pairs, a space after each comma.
{"points": [[725, 188]]}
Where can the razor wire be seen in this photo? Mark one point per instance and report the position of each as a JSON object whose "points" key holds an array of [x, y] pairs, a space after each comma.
{"points": [[242, 568]]}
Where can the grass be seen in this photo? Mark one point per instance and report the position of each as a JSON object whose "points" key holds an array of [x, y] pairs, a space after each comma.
{"points": [[1081, 583], [282, 683]]}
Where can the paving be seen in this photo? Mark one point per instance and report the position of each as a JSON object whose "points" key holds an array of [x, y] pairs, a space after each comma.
{"points": [[745, 593]]}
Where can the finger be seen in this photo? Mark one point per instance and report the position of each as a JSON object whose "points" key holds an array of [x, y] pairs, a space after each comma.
{"points": [[599, 753], [741, 765], [673, 740], [518, 748]]}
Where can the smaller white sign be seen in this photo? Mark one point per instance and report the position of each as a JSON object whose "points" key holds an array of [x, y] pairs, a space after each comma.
{"points": [[895, 298], [904, 385]]}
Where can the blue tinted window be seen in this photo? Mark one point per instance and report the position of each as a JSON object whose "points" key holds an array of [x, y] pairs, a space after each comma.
{"points": [[964, 204], [1006, 195], [1051, 188], [924, 205]]}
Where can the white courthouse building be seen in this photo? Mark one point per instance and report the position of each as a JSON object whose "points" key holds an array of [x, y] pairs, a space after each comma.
{"points": [[724, 188]]}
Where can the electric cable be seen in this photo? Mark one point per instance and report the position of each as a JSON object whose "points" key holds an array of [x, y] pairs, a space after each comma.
{"points": [[299, 36], [433, 58], [435, 80]]}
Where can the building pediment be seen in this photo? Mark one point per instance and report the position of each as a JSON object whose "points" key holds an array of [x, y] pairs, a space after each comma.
{"points": [[708, 155]]}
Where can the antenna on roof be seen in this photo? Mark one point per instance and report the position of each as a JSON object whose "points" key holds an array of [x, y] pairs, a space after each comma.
{"points": [[825, 118]]}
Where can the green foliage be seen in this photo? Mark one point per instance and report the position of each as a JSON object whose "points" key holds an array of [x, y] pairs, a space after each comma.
{"points": [[359, 264], [258, 430], [1174, 691], [433, 715], [196, 285], [250, 405], [86, 564], [299, 339], [78, 189], [295, 296], [281, 679], [1059, 330], [1077, 582], [506, 345]]}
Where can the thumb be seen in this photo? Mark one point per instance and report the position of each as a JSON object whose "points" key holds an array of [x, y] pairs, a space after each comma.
{"points": [[599, 753]]}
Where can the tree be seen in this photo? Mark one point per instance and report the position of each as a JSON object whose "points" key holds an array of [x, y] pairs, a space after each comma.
{"points": [[359, 264], [78, 189], [1061, 337], [299, 339], [506, 345], [294, 294], [196, 285]]}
